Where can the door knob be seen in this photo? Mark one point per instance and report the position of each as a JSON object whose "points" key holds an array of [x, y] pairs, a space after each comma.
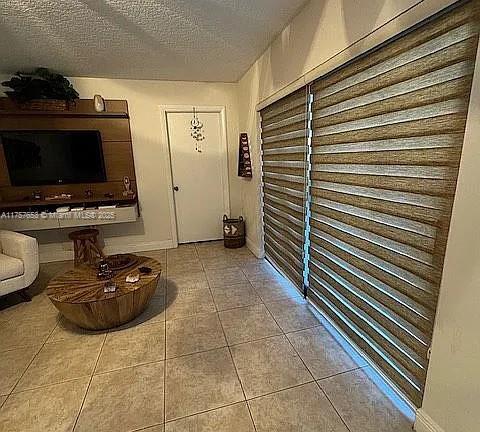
{"points": [[175, 188]]}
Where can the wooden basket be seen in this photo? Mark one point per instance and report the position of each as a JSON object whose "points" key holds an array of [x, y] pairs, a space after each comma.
{"points": [[233, 232]]}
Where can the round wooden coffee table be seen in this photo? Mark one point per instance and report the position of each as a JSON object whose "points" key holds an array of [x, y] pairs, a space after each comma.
{"points": [[79, 296]]}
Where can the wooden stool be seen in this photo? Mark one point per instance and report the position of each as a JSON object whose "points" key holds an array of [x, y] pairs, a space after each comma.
{"points": [[86, 247]]}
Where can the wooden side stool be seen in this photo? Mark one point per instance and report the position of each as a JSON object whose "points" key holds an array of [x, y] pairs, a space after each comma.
{"points": [[86, 247]]}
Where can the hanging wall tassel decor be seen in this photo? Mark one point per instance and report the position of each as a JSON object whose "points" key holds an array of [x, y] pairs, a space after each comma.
{"points": [[244, 160]]}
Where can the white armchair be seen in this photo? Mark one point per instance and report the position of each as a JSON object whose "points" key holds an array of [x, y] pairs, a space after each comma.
{"points": [[18, 262]]}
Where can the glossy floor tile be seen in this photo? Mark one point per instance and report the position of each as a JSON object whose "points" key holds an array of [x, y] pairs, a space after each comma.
{"points": [[219, 262], [200, 382], [181, 267], [322, 354], [13, 365], [132, 346], [61, 361], [303, 408], [260, 271], [223, 277], [248, 323], [52, 408], [66, 330], [157, 428], [194, 334], [233, 418], [226, 344], [268, 365], [38, 307], [210, 249], [293, 314], [234, 296], [362, 405], [187, 281], [185, 252], [24, 332], [182, 304], [124, 400], [271, 290]]}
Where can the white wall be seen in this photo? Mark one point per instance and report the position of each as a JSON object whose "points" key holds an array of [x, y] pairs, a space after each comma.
{"points": [[324, 35], [153, 230], [248, 97], [452, 396]]}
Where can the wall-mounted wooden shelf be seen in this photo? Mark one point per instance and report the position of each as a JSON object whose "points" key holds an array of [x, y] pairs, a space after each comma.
{"points": [[66, 113], [93, 217], [79, 108], [74, 201], [114, 127]]}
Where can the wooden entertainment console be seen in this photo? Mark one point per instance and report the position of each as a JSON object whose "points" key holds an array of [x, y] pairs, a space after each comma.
{"points": [[114, 127]]}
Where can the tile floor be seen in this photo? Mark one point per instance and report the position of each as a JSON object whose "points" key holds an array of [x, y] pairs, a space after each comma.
{"points": [[227, 344]]}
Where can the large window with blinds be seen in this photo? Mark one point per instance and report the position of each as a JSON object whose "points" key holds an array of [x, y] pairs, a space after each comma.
{"points": [[284, 148], [387, 135]]}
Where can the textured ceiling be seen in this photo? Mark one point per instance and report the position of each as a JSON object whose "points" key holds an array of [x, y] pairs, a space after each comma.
{"points": [[194, 40]]}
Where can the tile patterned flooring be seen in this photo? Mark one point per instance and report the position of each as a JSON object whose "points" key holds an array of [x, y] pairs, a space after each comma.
{"points": [[226, 344]]}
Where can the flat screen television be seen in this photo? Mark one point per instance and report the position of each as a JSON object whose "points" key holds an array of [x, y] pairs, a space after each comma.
{"points": [[53, 157]]}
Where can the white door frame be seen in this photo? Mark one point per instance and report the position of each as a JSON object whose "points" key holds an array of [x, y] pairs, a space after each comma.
{"points": [[164, 110]]}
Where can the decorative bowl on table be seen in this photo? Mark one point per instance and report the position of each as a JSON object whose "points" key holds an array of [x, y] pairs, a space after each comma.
{"points": [[121, 261]]}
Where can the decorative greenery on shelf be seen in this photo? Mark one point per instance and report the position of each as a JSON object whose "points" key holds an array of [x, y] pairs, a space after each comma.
{"points": [[40, 84]]}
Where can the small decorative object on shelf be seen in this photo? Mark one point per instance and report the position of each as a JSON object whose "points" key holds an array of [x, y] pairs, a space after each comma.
{"points": [[41, 90], [62, 209], [244, 160], [37, 195], [88, 193], [62, 196], [128, 187], [98, 103]]}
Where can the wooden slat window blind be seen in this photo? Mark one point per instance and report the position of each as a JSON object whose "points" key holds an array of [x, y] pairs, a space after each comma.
{"points": [[284, 144], [387, 138]]}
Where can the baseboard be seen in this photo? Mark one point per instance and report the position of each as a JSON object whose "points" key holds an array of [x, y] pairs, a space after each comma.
{"points": [[138, 247], [54, 252], [50, 253], [255, 249], [424, 423]]}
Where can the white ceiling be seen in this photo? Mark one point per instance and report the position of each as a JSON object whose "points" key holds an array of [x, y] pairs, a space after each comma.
{"points": [[194, 40]]}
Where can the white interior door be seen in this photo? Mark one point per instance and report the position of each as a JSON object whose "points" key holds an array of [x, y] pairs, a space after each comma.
{"points": [[198, 171]]}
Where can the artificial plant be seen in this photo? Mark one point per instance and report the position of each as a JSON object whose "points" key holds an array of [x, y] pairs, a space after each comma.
{"points": [[40, 84]]}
